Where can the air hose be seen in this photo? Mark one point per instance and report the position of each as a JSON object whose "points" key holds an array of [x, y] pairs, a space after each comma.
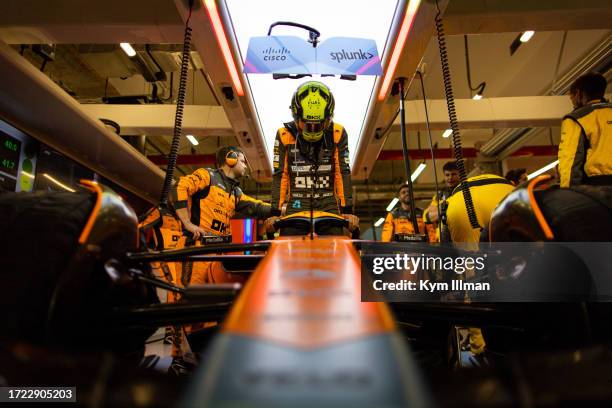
{"points": [[178, 117], [454, 124], [431, 146], [481, 86]]}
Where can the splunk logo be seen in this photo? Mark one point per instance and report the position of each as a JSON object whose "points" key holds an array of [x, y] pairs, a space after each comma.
{"points": [[275, 54], [350, 55]]}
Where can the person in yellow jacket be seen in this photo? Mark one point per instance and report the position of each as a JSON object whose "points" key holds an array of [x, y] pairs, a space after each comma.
{"points": [[398, 219], [487, 191], [585, 150], [207, 199]]}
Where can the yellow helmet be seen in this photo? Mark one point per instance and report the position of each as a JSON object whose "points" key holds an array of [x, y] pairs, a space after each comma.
{"points": [[312, 107]]}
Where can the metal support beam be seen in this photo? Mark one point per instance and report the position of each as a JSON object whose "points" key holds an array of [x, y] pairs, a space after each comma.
{"points": [[183, 160], [468, 152], [490, 113], [159, 119]]}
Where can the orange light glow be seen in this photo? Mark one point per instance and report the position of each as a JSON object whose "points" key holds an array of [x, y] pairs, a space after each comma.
{"points": [[215, 19], [413, 6]]}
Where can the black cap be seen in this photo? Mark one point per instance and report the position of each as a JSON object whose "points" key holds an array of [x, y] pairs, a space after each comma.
{"points": [[514, 175]]}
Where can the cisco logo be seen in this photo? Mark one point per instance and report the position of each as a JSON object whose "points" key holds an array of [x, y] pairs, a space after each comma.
{"points": [[275, 54]]}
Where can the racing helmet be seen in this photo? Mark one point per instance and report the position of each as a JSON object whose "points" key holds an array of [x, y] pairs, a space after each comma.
{"points": [[312, 107]]}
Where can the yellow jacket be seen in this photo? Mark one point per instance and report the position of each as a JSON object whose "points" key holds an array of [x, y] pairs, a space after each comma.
{"points": [[585, 149], [487, 191]]}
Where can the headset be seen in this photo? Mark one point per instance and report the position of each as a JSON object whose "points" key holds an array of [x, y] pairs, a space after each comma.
{"points": [[231, 158]]}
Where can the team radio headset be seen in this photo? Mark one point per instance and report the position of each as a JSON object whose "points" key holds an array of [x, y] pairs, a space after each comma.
{"points": [[231, 158]]}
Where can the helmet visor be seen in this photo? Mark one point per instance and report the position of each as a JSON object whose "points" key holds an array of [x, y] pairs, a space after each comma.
{"points": [[312, 131], [312, 126]]}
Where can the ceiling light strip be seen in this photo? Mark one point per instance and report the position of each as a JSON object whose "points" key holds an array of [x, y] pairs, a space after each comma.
{"points": [[392, 204], [128, 49], [413, 6], [526, 36], [418, 171], [215, 19], [193, 140]]}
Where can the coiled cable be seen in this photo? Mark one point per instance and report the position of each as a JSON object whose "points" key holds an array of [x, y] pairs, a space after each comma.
{"points": [[454, 124], [178, 117]]}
